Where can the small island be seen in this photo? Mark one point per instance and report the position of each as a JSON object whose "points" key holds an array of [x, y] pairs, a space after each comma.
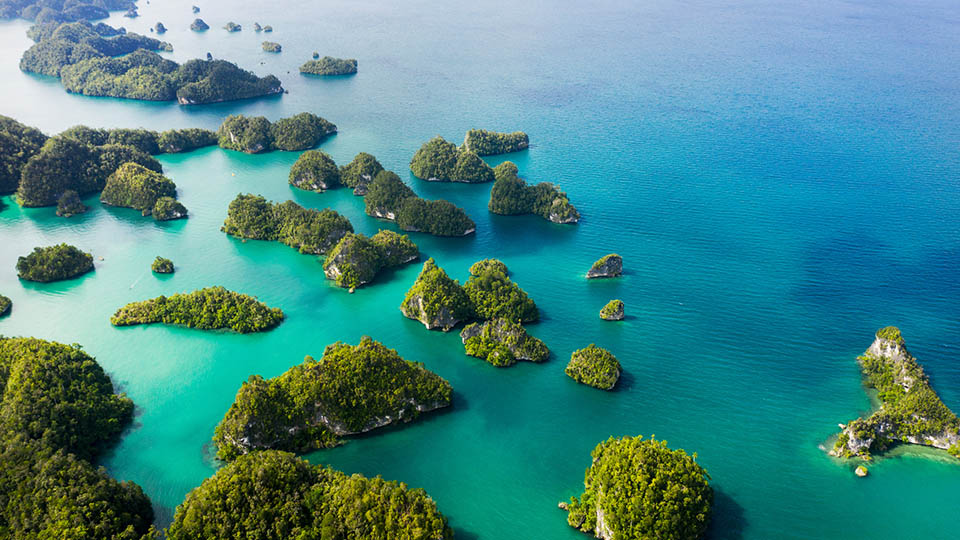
{"points": [[167, 209], [134, 186], [257, 27], [307, 230], [350, 390], [267, 28], [637, 489], [440, 161], [356, 259], [495, 296], [512, 196], [910, 410], [161, 265], [489, 143], [360, 172], [271, 47], [205, 309], [257, 134], [329, 65], [317, 502], [159, 28], [315, 171], [54, 263], [69, 204], [232, 27], [5, 305], [389, 198], [608, 266], [613, 311], [198, 25], [594, 366], [436, 300], [502, 343]]}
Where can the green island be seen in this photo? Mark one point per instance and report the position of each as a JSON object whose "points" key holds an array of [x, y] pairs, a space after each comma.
{"points": [[636, 489], [303, 501], [167, 209], [350, 390], [441, 161], [161, 265], [608, 266], [232, 27], [307, 230], [69, 204], [205, 309], [5, 305], [57, 46], [271, 46], [329, 65], [199, 25], [494, 295], [613, 311], [360, 172], [502, 343], [356, 259], [489, 143], [18, 143], [135, 186], [40, 11], [149, 142], [58, 414], [594, 366], [54, 263], [316, 171], [512, 196], [910, 410], [389, 198], [256, 134]]}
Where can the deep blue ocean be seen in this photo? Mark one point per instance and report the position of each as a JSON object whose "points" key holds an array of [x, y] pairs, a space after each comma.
{"points": [[782, 179]]}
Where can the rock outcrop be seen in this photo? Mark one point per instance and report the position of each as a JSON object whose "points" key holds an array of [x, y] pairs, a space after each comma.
{"points": [[613, 311], [502, 343], [608, 266]]}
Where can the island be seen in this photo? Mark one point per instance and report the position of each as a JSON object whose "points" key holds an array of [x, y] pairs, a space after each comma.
{"points": [[440, 161], [329, 65], [495, 296], [195, 9], [909, 411], [350, 390], [317, 502], [205, 309], [594, 366], [51, 488], [608, 266], [360, 172], [54, 263], [161, 265], [39, 10], [389, 198], [58, 46], [502, 343], [198, 25], [5, 305], [160, 28], [316, 171], [185, 140], [307, 230], [636, 489], [168, 209], [18, 143], [149, 142], [134, 186], [489, 143], [271, 46], [512, 196], [613, 311], [267, 28], [257, 27], [436, 300], [69, 204], [356, 259], [232, 27], [257, 134]]}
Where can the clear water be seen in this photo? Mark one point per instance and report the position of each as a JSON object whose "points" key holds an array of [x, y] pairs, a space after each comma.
{"points": [[780, 177]]}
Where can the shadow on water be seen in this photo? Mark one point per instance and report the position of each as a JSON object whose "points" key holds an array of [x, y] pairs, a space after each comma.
{"points": [[625, 383], [728, 521], [461, 534]]}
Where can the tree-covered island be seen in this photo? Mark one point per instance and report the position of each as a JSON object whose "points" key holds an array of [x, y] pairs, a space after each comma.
{"points": [[389, 198], [512, 196], [489, 143], [502, 343], [608, 266], [5, 305], [205, 309], [329, 65], [356, 259], [43, 12], [256, 134], [613, 311], [307, 230], [316, 171], [271, 46], [69, 204], [134, 186], [638, 489], [360, 172], [441, 161], [910, 410], [350, 390], [161, 265], [54, 263], [594, 366]]}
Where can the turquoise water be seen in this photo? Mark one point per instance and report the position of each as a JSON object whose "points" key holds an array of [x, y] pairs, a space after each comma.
{"points": [[780, 177]]}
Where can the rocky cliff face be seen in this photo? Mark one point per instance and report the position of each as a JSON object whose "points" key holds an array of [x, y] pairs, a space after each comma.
{"points": [[444, 320], [607, 267]]}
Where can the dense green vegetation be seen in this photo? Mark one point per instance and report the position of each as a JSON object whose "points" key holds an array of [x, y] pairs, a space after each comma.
{"points": [[168, 208], [256, 134], [271, 46], [439, 160], [65, 163], [360, 172], [436, 300], [502, 343], [639, 489], [64, 45], [329, 65], [69, 204], [594, 367], [206, 309], [495, 296], [387, 197], [5, 305], [149, 142], [356, 259], [183, 140], [161, 265], [488, 143], [352, 389], [613, 311], [135, 186], [309, 231], [316, 171], [274, 495], [910, 410], [18, 143], [55, 12], [54, 263], [510, 195]]}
